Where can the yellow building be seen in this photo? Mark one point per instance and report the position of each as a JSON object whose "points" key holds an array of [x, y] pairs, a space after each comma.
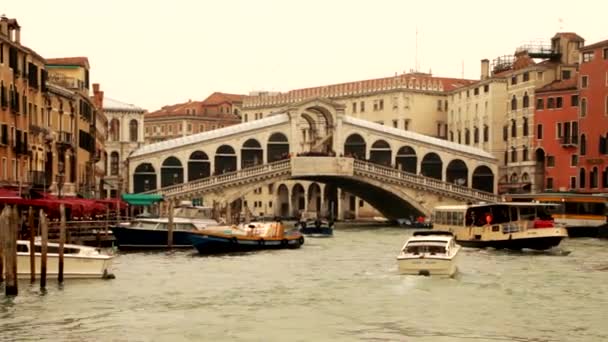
{"points": [[22, 84], [72, 73]]}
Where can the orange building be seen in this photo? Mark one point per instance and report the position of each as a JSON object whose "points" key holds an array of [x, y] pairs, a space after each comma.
{"points": [[22, 84], [216, 111]]}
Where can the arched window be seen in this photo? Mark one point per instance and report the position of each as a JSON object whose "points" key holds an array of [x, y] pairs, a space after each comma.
{"points": [[583, 107], [581, 178], [513, 128], [526, 102], [476, 134], [593, 177], [486, 133], [513, 154], [114, 163], [133, 130], [525, 154], [467, 136], [583, 145], [525, 127], [513, 103]]}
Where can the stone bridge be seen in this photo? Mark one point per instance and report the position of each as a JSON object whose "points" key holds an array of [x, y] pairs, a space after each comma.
{"points": [[392, 169]]}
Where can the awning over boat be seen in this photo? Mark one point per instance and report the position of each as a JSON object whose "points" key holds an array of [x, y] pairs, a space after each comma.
{"points": [[142, 199]]}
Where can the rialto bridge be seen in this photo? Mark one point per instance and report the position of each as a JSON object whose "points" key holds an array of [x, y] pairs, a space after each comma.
{"points": [[394, 170]]}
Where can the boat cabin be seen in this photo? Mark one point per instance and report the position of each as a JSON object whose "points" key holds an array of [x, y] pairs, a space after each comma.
{"points": [[431, 243], [490, 214]]}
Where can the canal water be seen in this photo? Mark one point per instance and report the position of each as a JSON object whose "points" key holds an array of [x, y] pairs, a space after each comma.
{"points": [[344, 288]]}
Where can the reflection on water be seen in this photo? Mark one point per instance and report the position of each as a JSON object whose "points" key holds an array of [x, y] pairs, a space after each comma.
{"points": [[339, 289]]}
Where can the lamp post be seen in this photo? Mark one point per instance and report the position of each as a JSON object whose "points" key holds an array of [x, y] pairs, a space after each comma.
{"points": [[60, 178]]}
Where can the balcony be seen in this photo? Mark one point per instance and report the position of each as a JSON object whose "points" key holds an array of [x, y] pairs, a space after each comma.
{"points": [[40, 179], [65, 138], [66, 82], [569, 141], [36, 129]]}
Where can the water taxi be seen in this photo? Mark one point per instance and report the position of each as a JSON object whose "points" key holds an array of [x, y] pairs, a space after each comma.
{"points": [[500, 225], [78, 261], [429, 253], [245, 237]]}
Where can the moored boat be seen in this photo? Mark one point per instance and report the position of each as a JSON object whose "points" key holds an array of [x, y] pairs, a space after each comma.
{"points": [[245, 237], [78, 261], [429, 253], [313, 226], [500, 225], [152, 233]]}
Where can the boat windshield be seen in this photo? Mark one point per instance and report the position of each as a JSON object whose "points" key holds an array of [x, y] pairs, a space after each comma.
{"points": [[144, 225], [504, 213], [429, 247], [421, 249]]}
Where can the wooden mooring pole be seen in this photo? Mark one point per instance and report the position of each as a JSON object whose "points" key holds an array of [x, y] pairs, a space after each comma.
{"points": [[170, 226], [30, 224], [61, 242], [10, 225], [44, 227]]}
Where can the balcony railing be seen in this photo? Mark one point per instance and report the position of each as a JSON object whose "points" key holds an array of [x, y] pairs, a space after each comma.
{"points": [[40, 179], [35, 129], [567, 141], [65, 138]]}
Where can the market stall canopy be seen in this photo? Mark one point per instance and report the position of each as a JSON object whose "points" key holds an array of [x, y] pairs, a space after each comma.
{"points": [[142, 199]]}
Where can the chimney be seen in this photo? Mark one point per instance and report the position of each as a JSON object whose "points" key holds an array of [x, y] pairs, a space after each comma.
{"points": [[485, 69]]}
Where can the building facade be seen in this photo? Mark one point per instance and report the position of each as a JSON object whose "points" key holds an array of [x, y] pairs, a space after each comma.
{"points": [[22, 85], [125, 134], [593, 118], [72, 73], [416, 102], [556, 134], [179, 120]]}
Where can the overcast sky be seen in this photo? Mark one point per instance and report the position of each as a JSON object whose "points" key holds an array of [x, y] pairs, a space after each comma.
{"points": [[152, 53]]}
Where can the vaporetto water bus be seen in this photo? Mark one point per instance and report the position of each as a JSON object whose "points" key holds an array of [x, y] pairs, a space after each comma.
{"points": [[500, 225]]}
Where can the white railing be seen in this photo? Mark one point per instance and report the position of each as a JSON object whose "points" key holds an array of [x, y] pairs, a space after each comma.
{"points": [[223, 179], [363, 167]]}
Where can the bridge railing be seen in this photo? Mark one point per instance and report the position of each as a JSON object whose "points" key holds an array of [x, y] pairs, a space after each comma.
{"points": [[224, 178], [425, 181]]}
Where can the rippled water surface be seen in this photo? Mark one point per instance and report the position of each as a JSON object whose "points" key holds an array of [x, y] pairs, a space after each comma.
{"points": [[344, 288]]}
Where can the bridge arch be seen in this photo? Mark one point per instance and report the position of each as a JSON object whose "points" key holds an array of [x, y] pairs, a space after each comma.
{"points": [[380, 153], [355, 146], [198, 166], [483, 179], [144, 178], [431, 166], [282, 207], [298, 198], [225, 159], [277, 147], [314, 199], [457, 172], [406, 159], [251, 154], [171, 172]]}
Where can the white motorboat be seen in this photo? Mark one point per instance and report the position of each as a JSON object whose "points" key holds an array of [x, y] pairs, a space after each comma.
{"points": [[429, 253], [78, 261]]}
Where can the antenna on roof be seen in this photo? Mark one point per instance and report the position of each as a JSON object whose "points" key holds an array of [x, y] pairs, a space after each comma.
{"points": [[462, 69], [416, 61]]}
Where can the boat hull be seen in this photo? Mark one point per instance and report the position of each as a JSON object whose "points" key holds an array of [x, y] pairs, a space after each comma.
{"points": [[212, 244], [74, 267], [537, 243], [133, 238], [427, 266], [588, 231], [317, 232]]}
